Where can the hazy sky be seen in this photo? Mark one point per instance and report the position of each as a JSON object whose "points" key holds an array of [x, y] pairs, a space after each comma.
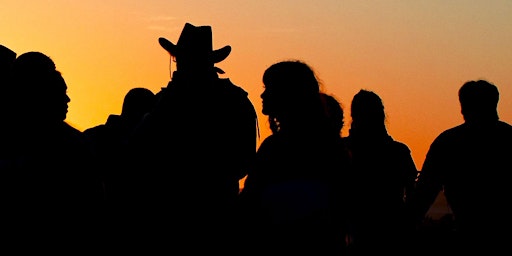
{"points": [[414, 54]]}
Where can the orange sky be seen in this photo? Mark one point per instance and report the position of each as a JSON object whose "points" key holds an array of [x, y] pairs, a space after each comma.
{"points": [[414, 54]]}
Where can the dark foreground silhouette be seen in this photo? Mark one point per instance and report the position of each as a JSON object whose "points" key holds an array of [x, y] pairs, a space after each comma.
{"points": [[383, 175], [51, 194], [292, 198], [468, 163], [169, 180], [192, 149]]}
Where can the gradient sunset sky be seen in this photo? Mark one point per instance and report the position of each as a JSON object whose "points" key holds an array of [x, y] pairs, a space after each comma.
{"points": [[414, 54]]}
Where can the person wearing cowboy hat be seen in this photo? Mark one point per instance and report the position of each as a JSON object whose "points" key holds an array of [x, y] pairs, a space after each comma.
{"points": [[193, 148], [194, 52]]}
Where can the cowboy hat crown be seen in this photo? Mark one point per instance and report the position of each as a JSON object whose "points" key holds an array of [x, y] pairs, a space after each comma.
{"points": [[195, 42]]}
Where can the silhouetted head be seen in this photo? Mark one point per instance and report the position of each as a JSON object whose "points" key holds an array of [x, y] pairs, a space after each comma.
{"points": [[34, 62], [334, 113], [367, 112], [292, 92], [479, 101], [39, 89], [194, 50], [137, 102], [7, 56]]}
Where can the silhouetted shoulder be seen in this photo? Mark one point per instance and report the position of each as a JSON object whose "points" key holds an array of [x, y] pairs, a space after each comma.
{"points": [[451, 134], [465, 133], [506, 127], [230, 86], [70, 130], [401, 147], [94, 130], [73, 134], [236, 99], [269, 141], [504, 132]]}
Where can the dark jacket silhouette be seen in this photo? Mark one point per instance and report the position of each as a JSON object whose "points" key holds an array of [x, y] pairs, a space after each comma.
{"points": [[7, 57], [468, 163], [195, 146], [112, 159], [110, 142], [383, 174], [54, 195], [292, 195]]}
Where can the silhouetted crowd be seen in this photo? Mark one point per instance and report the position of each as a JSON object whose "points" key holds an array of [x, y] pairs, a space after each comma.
{"points": [[162, 177]]}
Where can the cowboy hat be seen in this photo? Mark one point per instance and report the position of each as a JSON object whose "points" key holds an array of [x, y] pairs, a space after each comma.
{"points": [[195, 42]]}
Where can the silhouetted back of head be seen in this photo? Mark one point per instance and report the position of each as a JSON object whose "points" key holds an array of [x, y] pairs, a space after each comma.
{"points": [[7, 56], [367, 112], [334, 113], [33, 62], [29, 72], [137, 102], [479, 101]]}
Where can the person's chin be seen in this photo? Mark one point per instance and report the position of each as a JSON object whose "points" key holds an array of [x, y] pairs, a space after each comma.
{"points": [[63, 116]]}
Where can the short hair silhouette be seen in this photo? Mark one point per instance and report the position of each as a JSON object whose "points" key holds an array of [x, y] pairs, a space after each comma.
{"points": [[479, 100], [137, 102], [34, 61], [367, 111], [41, 88], [467, 163]]}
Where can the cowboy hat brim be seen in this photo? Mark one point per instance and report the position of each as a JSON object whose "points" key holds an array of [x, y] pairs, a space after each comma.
{"points": [[168, 46], [216, 55], [221, 54]]}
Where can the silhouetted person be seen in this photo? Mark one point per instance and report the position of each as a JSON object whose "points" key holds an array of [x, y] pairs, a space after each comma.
{"points": [[194, 148], [109, 142], [7, 57], [335, 113], [291, 197], [54, 197], [383, 174], [469, 163]]}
